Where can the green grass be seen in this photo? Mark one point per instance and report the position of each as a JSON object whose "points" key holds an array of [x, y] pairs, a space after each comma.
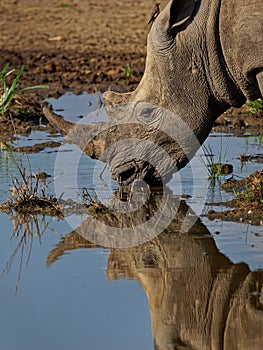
{"points": [[215, 168], [128, 73], [253, 193], [9, 90], [255, 107], [65, 5]]}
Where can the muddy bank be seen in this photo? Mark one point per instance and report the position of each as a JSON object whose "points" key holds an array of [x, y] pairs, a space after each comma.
{"points": [[71, 46], [247, 205], [74, 45], [81, 46]]}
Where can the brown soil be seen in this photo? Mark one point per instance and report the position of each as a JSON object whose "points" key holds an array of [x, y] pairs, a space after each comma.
{"points": [[76, 45], [80, 46]]}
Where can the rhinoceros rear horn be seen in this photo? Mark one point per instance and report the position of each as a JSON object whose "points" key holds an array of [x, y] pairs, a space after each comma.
{"points": [[180, 12]]}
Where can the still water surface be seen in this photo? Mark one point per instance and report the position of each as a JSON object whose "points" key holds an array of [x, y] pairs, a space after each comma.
{"points": [[60, 290]]}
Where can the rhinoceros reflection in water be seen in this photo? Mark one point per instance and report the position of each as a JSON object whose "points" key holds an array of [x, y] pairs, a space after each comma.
{"points": [[198, 298]]}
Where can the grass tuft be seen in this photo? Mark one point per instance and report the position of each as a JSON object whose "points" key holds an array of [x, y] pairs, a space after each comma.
{"points": [[9, 91], [30, 194], [128, 73], [253, 192], [216, 169], [255, 107]]}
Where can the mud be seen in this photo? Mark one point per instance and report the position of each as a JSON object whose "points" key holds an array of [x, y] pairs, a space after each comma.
{"points": [[74, 45], [247, 205], [82, 46], [38, 147]]}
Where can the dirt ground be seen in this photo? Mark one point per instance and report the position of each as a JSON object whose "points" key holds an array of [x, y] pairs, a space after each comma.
{"points": [[75, 45], [80, 45]]}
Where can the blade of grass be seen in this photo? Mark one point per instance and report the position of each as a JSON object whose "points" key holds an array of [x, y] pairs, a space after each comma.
{"points": [[3, 71], [9, 93]]}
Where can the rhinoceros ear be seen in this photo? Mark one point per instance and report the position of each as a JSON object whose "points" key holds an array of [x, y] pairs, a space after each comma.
{"points": [[181, 11]]}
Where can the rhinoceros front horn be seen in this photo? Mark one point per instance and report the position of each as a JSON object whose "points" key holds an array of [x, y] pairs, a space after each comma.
{"points": [[58, 122], [82, 135]]}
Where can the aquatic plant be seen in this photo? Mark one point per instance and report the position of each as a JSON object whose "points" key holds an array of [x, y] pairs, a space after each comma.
{"points": [[215, 168], [30, 194], [9, 92]]}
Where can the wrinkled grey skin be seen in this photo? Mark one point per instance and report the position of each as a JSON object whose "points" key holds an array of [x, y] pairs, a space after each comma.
{"points": [[202, 57]]}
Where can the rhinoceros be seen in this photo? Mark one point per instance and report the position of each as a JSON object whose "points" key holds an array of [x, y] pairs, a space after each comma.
{"points": [[202, 58]]}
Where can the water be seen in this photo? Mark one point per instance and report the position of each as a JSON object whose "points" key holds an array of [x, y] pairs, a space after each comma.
{"points": [[59, 289]]}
